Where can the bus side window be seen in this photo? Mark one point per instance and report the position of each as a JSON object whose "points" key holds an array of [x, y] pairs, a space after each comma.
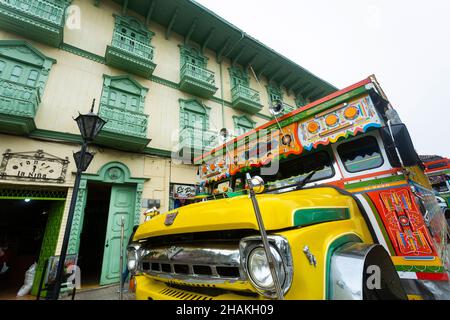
{"points": [[361, 154]]}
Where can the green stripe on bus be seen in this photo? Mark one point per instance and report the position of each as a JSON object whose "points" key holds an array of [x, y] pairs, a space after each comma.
{"points": [[374, 182], [304, 217], [430, 269]]}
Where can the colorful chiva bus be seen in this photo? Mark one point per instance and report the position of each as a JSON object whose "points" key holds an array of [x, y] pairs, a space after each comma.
{"points": [[352, 140], [437, 169], [345, 195]]}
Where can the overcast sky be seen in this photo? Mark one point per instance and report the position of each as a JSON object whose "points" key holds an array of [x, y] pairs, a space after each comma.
{"points": [[405, 43]]}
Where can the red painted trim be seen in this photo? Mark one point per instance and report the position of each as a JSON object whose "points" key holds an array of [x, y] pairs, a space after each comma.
{"points": [[290, 114], [445, 162], [437, 161], [432, 276]]}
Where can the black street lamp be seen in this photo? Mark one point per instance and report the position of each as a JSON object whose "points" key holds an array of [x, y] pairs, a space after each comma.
{"points": [[90, 125]]}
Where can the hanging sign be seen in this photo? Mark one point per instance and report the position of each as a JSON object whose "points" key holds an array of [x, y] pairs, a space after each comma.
{"points": [[33, 166], [181, 191]]}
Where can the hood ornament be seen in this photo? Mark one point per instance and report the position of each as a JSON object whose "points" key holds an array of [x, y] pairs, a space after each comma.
{"points": [[170, 218], [172, 252]]}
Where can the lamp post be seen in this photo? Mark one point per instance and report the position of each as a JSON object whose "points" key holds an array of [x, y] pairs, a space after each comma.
{"points": [[90, 125]]}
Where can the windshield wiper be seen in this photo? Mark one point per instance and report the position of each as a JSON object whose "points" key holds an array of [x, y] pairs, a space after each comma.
{"points": [[305, 180], [297, 185]]}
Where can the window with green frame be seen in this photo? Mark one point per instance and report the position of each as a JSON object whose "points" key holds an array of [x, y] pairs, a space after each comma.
{"points": [[274, 93], [122, 104], [243, 124], [238, 77], [132, 36], [193, 56], [194, 124], [22, 64], [194, 114]]}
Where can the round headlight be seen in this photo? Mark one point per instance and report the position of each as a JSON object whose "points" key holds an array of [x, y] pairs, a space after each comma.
{"points": [[258, 268], [132, 259]]}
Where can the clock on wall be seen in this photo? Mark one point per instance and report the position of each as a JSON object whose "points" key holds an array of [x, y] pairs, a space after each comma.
{"points": [[33, 166]]}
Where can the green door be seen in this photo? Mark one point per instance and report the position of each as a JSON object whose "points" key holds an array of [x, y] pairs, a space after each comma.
{"points": [[121, 205]]}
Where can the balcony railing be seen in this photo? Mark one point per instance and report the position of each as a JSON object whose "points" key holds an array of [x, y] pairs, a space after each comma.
{"points": [[246, 99], [41, 9], [195, 138], [132, 46], [124, 122], [198, 73], [197, 80], [18, 99], [241, 91]]}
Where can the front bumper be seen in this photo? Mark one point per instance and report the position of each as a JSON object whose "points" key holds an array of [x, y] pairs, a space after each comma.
{"points": [[150, 289]]}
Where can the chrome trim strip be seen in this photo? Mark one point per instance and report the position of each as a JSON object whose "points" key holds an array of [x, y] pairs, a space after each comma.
{"points": [[210, 256]]}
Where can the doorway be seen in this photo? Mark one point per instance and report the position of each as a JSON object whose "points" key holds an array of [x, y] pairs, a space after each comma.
{"points": [[93, 233], [25, 239]]}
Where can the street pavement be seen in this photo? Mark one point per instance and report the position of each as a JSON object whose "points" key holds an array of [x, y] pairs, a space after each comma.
{"points": [[102, 293]]}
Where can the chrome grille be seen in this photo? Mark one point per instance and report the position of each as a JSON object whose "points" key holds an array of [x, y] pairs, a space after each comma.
{"points": [[194, 263]]}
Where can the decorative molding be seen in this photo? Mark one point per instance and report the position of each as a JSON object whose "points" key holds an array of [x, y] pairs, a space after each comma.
{"points": [[137, 203], [165, 82], [82, 53], [157, 152], [76, 139], [56, 136], [77, 222]]}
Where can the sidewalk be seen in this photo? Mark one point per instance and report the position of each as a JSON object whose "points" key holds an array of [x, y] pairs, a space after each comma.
{"points": [[101, 293]]}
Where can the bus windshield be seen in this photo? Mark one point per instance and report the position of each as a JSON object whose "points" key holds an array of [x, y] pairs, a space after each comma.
{"points": [[292, 171]]}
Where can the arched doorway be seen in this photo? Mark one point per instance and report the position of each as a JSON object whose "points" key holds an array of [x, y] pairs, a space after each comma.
{"points": [[103, 200]]}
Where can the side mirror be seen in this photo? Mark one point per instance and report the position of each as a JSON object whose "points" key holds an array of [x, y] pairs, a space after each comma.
{"points": [[276, 108], [402, 141]]}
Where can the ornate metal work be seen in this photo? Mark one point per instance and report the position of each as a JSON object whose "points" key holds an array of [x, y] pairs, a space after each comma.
{"points": [[33, 194]]}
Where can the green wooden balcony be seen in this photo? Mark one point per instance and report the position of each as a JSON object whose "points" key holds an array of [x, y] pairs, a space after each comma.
{"points": [[130, 55], [124, 130], [195, 141], [198, 81], [40, 20], [246, 99], [18, 106]]}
